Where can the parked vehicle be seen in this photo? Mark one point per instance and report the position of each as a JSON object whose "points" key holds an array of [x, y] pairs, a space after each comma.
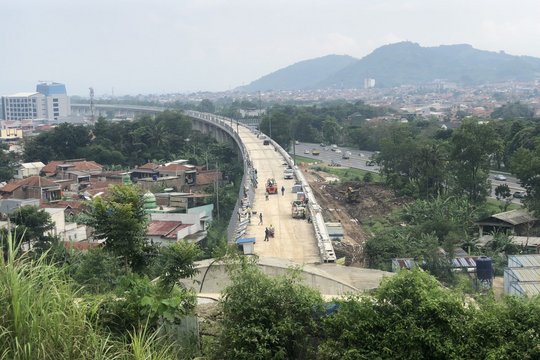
{"points": [[266, 142], [519, 194], [334, 163], [288, 173]]}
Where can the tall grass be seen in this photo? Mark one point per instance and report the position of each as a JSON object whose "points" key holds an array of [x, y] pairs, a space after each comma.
{"points": [[42, 317]]}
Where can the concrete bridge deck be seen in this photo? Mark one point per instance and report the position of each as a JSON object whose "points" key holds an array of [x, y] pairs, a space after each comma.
{"points": [[294, 239]]}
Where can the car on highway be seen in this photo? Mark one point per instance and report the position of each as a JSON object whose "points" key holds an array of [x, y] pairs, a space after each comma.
{"points": [[519, 194], [338, 151], [306, 151], [315, 152], [500, 177]]}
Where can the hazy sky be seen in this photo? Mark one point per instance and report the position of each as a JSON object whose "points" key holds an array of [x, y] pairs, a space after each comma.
{"points": [[160, 46]]}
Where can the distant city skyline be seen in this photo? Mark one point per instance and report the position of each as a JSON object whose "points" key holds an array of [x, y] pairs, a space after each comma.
{"points": [[169, 46]]}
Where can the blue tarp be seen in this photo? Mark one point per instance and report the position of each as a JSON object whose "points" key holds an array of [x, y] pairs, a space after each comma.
{"points": [[245, 241]]}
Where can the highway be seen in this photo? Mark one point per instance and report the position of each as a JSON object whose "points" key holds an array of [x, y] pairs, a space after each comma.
{"points": [[359, 158]]}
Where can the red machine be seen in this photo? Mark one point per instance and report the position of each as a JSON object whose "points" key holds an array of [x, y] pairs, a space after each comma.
{"points": [[271, 186]]}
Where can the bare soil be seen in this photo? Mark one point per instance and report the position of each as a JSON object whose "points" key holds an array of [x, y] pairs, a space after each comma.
{"points": [[373, 201]]}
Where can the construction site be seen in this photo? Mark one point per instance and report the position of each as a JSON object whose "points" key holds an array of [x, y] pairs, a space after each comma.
{"points": [[352, 205]]}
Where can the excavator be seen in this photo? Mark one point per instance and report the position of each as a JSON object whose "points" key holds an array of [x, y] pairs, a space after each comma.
{"points": [[353, 195]]}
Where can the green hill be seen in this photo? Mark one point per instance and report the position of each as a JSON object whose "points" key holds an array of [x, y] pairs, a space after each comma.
{"points": [[403, 64]]}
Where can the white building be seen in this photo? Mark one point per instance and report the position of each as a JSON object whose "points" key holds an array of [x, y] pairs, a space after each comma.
{"points": [[50, 101], [29, 169]]}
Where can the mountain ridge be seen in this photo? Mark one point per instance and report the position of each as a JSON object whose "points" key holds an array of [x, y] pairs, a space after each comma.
{"points": [[403, 63]]}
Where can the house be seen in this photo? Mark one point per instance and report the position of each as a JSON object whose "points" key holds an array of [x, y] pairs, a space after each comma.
{"points": [[167, 228], [517, 222], [61, 169], [29, 169], [34, 187], [66, 231], [188, 173], [147, 171], [72, 175]]}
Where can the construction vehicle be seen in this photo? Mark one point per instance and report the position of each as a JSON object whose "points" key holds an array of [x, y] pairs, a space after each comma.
{"points": [[271, 186], [298, 209], [353, 195]]}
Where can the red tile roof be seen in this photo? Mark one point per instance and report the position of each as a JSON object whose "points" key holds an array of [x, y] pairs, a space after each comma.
{"points": [[50, 168], [208, 177], [33, 181], [166, 229], [175, 167], [149, 166], [83, 165]]}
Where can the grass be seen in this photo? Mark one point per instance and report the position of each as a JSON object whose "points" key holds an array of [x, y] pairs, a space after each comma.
{"points": [[350, 174], [44, 317], [299, 160], [496, 206]]}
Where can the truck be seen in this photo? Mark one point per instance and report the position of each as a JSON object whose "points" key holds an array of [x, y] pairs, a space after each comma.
{"points": [[315, 152], [271, 186], [346, 155], [298, 209], [288, 173]]}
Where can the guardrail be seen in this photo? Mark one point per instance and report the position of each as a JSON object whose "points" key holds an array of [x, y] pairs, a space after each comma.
{"points": [[326, 249], [246, 194]]}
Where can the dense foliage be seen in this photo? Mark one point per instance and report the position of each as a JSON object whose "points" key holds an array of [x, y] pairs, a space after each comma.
{"points": [[267, 317], [321, 123]]}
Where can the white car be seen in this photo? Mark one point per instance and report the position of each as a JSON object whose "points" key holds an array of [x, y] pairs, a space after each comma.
{"points": [[338, 151], [307, 151], [500, 177]]}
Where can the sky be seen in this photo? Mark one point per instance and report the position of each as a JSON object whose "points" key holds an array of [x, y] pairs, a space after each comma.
{"points": [[132, 47]]}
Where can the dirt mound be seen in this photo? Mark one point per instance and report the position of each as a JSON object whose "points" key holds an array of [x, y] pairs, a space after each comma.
{"points": [[372, 200]]}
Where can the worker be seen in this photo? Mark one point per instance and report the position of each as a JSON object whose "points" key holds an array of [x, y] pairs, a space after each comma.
{"points": [[260, 219], [266, 194], [282, 190], [266, 232]]}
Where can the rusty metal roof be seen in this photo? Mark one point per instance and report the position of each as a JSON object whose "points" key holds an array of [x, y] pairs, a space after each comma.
{"points": [[166, 229], [515, 217]]}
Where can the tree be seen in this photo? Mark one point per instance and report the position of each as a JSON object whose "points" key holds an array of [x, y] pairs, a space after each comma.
{"points": [[473, 145], [33, 226], [411, 316], [176, 262], [526, 166], [267, 317], [206, 106], [502, 193], [8, 165], [120, 221]]}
